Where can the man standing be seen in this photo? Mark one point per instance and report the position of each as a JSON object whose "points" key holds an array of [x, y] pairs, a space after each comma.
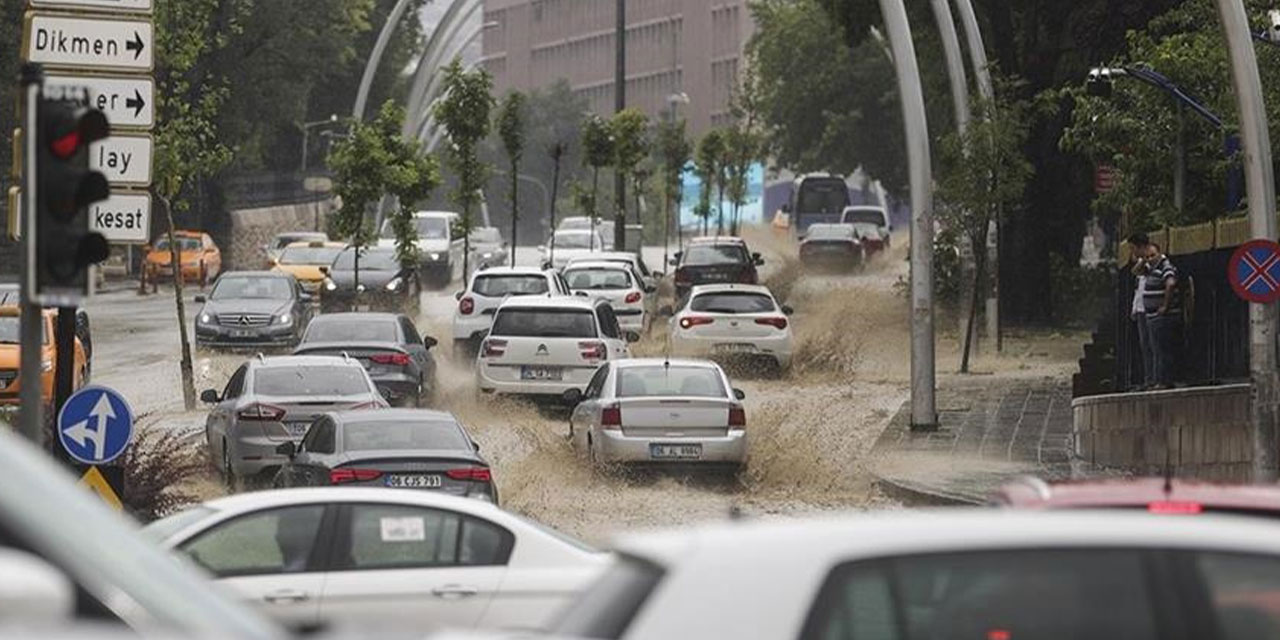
{"points": [[1138, 244], [1164, 312]]}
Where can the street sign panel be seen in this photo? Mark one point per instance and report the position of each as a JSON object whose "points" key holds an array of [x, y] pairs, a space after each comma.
{"points": [[89, 43], [125, 160], [129, 6], [1254, 271], [128, 102], [95, 425], [98, 483], [123, 218]]}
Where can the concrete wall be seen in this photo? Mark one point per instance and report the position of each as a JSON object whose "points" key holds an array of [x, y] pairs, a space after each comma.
{"points": [[1202, 431], [252, 228]]}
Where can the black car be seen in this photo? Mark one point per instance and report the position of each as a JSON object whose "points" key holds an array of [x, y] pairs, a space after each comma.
{"points": [[253, 309], [383, 284], [832, 246], [397, 448], [714, 261], [397, 358]]}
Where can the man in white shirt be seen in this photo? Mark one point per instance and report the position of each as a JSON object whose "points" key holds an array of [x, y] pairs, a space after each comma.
{"points": [[1138, 244]]}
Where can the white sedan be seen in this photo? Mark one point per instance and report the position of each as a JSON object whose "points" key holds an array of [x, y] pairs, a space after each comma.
{"points": [[567, 244], [408, 559], [733, 320], [619, 285], [651, 410]]}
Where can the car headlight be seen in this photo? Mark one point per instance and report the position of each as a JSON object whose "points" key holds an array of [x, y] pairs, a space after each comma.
{"points": [[46, 365], [330, 285], [206, 318], [359, 288], [434, 256], [487, 256], [286, 319], [394, 285]]}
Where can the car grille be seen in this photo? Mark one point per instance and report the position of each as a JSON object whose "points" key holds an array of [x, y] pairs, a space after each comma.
{"points": [[244, 319]]}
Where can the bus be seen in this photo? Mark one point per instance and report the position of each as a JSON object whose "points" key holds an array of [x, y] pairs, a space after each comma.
{"points": [[817, 198]]}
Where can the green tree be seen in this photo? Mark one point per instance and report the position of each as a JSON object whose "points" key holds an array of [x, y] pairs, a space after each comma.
{"points": [[464, 114], [510, 126], [673, 150], [597, 152], [410, 175], [707, 164], [629, 129]]}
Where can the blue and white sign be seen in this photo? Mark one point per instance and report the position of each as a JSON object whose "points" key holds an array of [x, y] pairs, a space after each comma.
{"points": [[95, 425]]}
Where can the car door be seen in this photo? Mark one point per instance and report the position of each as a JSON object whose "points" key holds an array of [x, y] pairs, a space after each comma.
{"points": [[611, 333], [413, 567], [583, 416], [417, 349], [218, 422], [274, 559]]}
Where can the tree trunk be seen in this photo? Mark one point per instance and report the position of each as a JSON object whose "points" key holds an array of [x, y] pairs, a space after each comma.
{"points": [[719, 209], [979, 265], [555, 192], [175, 265], [595, 192], [466, 245], [666, 220], [515, 210]]}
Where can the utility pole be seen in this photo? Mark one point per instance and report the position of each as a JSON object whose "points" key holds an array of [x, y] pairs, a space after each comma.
{"points": [[1262, 224], [960, 101], [924, 414], [620, 103]]}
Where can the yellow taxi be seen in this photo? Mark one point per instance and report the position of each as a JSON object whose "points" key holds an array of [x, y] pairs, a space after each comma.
{"points": [[199, 257], [10, 354], [305, 260]]}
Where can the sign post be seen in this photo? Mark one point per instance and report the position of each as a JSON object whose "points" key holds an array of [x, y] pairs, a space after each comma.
{"points": [[1254, 271]]}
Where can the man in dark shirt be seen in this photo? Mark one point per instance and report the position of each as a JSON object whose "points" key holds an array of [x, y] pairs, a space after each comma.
{"points": [[1164, 312]]}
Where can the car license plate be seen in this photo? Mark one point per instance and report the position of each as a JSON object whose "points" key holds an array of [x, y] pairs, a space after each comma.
{"points": [[675, 451], [297, 429], [241, 333], [541, 373], [735, 347], [415, 481]]}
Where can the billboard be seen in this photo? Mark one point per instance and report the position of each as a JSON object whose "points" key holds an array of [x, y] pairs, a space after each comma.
{"points": [[752, 212]]}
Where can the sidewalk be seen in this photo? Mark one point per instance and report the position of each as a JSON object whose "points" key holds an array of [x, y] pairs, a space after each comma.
{"points": [[988, 434]]}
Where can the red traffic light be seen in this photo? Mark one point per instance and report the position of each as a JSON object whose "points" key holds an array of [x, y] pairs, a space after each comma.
{"points": [[69, 127]]}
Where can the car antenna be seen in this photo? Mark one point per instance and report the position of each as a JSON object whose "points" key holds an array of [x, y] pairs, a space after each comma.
{"points": [[262, 358]]}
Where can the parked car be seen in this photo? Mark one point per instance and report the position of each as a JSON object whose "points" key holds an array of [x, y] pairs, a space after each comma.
{"points": [[307, 262], [958, 574], [871, 222], [834, 246], [397, 357], [737, 321], [714, 260], [617, 284], [369, 557], [439, 247], [252, 309], [658, 411], [199, 259], [604, 227], [542, 346], [567, 244], [399, 448], [11, 356], [277, 245], [11, 296], [271, 400], [384, 285], [1169, 496], [488, 249], [636, 261], [488, 288]]}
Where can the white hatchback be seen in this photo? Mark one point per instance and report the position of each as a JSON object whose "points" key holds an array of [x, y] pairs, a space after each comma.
{"points": [[626, 257], [548, 345], [567, 244], [733, 320], [487, 288], [617, 284]]}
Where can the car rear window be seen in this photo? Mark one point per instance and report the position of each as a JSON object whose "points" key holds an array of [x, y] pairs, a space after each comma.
{"points": [[9, 330], [376, 435], [310, 380], [371, 259], [640, 382], [607, 607], [732, 302], [544, 323], [868, 216], [310, 255], [576, 240], [714, 254], [830, 232], [591, 278], [496, 286], [353, 330]]}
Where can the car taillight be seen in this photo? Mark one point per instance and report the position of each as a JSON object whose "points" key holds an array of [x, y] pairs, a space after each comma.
{"points": [[778, 322], [593, 350], [343, 476], [689, 322], [475, 474], [372, 404], [611, 418], [493, 348], [632, 297], [259, 411], [737, 417], [1174, 508], [398, 359], [466, 306], [682, 277]]}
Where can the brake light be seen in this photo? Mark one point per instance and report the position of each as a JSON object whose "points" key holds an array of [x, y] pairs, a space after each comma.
{"points": [[398, 359], [737, 417], [632, 297], [779, 322], [493, 348], [593, 350], [343, 476], [372, 404], [1173, 508], [689, 322], [466, 306], [474, 474], [611, 418], [257, 411]]}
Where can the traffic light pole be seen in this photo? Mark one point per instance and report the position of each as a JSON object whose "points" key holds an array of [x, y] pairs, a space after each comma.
{"points": [[65, 367], [31, 331]]}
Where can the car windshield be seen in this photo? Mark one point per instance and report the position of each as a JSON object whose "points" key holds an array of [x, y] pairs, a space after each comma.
{"points": [[351, 330], [597, 278], [733, 302], [310, 255], [310, 380], [285, 239], [256, 288], [868, 216], [377, 435], [184, 244], [160, 530], [9, 330], [577, 240], [428, 228], [674, 380], [495, 286], [830, 232], [487, 235], [544, 323], [370, 259], [712, 254]]}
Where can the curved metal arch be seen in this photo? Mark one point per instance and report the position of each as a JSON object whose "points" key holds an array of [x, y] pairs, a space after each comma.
{"points": [[442, 37]]}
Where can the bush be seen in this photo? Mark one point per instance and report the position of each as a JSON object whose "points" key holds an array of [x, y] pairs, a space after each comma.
{"points": [[1078, 294], [158, 470]]}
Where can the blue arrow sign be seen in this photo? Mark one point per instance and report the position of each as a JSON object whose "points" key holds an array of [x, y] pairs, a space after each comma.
{"points": [[95, 425]]}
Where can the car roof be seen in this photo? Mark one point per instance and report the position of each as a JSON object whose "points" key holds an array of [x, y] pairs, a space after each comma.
{"points": [[569, 231], [396, 415], [608, 256], [865, 207], [698, 289], [316, 244], [592, 262], [254, 500], [717, 240], [518, 270], [543, 301], [628, 363], [270, 362], [1034, 493], [187, 233], [435, 214], [303, 234], [257, 274], [356, 315]]}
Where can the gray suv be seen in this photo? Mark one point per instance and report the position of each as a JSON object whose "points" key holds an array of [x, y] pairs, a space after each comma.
{"points": [[269, 401]]}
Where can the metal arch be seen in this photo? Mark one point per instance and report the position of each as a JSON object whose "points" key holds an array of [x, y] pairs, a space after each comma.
{"points": [[375, 58], [419, 125], [445, 33]]}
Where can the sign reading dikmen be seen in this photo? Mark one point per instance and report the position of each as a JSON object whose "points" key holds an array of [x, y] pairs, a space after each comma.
{"points": [[89, 43]]}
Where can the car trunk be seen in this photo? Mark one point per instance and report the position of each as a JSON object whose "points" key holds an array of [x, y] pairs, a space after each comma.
{"points": [[714, 274], [368, 354], [674, 416], [540, 359], [300, 411], [827, 248], [418, 470], [729, 326]]}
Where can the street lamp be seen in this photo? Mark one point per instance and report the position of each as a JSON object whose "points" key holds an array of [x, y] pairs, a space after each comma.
{"points": [[673, 102], [306, 131]]}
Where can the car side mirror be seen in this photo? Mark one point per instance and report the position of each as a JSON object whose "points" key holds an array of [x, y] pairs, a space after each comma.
{"points": [[429, 342], [324, 269], [740, 394], [666, 311], [458, 295], [787, 310], [650, 289], [288, 449], [476, 446], [200, 298], [209, 396], [572, 396], [632, 336], [581, 293]]}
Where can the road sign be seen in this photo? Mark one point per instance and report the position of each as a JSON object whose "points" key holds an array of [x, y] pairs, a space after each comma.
{"points": [[129, 102], [125, 160], [1254, 271], [123, 218], [88, 43], [128, 6], [98, 483], [95, 425]]}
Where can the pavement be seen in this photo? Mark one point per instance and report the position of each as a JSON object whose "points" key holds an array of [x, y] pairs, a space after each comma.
{"points": [[987, 435]]}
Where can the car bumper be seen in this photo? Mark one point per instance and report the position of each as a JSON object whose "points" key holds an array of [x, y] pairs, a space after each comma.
{"points": [[269, 336], [615, 446], [777, 348], [395, 387], [256, 455], [165, 272], [506, 379], [472, 327], [630, 321]]}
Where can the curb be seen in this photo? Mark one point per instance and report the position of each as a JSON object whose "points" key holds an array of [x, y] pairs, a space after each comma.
{"points": [[922, 495]]}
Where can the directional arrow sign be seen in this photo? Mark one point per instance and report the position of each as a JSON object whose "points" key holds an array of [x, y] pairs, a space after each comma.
{"points": [[91, 43], [132, 6], [95, 425], [123, 218], [124, 160], [128, 102]]}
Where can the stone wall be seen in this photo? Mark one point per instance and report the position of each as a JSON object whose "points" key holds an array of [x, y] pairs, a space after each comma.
{"points": [[252, 228], [1203, 432]]}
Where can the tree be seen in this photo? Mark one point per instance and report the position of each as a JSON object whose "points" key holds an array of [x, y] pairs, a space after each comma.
{"points": [[710, 152], [597, 152], [510, 126], [556, 152], [629, 129], [673, 150], [464, 114], [410, 175]]}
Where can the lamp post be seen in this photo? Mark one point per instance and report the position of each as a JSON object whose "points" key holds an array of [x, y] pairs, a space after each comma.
{"points": [[673, 102], [306, 131]]}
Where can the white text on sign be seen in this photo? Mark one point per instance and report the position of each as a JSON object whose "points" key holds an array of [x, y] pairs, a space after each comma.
{"points": [[124, 160], [127, 102], [89, 42], [122, 218]]}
